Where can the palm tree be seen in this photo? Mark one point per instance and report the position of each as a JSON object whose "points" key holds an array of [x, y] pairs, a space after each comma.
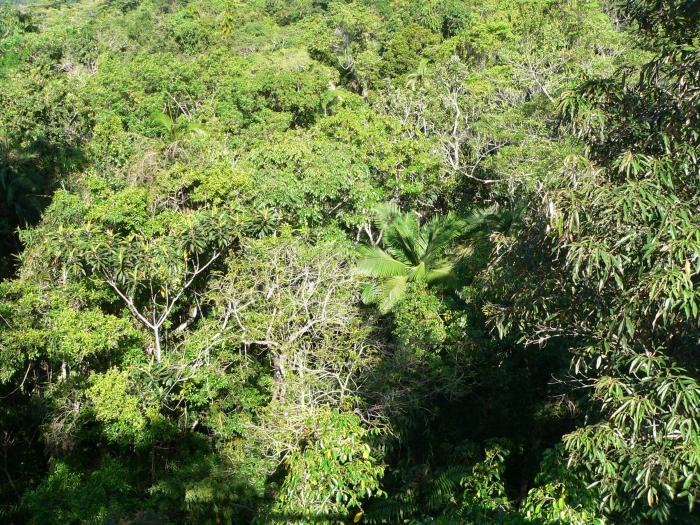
{"points": [[412, 252], [418, 77], [172, 130], [415, 252]]}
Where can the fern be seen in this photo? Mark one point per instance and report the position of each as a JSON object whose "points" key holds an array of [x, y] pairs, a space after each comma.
{"points": [[392, 510], [443, 489]]}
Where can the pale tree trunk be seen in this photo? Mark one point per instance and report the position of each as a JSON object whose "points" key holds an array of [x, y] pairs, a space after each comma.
{"points": [[157, 350], [278, 364]]}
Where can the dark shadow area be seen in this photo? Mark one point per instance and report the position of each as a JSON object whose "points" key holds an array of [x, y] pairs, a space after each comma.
{"points": [[28, 177], [506, 399], [21, 464]]}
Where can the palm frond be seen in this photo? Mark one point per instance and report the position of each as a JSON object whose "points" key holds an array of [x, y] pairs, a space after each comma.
{"points": [[403, 234], [396, 509], [195, 127], [479, 218], [384, 214], [162, 120], [369, 293], [441, 273], [439, 233], [445, 486], [417, 76], [508, 219], [418, 272], [413, 252], [375, 262], [398, 254], [392, 291]]}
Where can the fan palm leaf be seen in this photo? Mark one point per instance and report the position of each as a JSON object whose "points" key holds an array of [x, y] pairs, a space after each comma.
{"points": [[440, 273], [439, 233], [163, 120]]}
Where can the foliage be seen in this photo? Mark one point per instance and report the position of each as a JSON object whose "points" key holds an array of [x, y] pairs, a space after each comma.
{"points": [[191, 216], [413, 252], [620, 219], [68, 496], [332, 474], [417, 322]]}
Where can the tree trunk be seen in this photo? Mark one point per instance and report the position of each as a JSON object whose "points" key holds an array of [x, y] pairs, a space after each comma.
{"points": [[278, 364], [156, 336]]}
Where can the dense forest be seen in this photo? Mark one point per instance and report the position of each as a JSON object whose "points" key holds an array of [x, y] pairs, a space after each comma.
{"points": [[350, 261]]}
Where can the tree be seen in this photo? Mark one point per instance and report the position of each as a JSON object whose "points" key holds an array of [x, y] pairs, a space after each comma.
{"points": [[183, 339], [149, 273], [293, 307], [296, 303], [413, 252], [332, 475], [175, 129], [404, 51], [622, 217]]}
